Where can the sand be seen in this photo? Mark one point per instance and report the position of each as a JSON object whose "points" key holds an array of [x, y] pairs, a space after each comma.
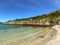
{"points": [[35, 39], [42, 41], [56, 40]]}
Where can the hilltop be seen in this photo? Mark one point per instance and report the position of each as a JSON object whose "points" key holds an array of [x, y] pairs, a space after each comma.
{"points": [[50, 18], [53, 14]]}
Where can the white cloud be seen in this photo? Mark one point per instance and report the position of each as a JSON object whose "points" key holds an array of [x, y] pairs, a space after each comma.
{"points": [[21, 4], [39, 4]]}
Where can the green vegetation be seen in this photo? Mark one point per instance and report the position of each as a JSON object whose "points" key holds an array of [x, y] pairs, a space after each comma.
{"points": [[51, 18]]}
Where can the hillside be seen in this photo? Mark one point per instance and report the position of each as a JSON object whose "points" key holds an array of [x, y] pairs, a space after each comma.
{"points": [[51, 15], [44, 19]]}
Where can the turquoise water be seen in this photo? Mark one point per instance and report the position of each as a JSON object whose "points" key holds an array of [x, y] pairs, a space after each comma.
{"points": [[10, 33]]}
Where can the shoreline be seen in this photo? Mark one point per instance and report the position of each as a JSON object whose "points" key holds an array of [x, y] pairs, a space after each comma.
{"points": [[32, 25], [56, 40], [36, 39], [43, 41]]}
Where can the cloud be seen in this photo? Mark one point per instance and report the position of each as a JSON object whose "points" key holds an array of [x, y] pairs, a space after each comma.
{"points": [[20, 4], [24, 5], [37, 4]]}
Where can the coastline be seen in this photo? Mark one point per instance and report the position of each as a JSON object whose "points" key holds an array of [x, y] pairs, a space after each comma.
{"points": [[44, 40], [50, 35], [37, 39], [32, 25]]}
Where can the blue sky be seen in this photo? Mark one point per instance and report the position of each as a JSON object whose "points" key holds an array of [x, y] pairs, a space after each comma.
{"points": [[12, 9]]}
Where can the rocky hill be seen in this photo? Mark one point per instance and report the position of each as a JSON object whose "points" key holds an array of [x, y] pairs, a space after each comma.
{"points": [[51, 18]]}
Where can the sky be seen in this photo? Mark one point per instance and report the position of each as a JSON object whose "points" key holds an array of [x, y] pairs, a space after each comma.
{"points": [[13, 9]]}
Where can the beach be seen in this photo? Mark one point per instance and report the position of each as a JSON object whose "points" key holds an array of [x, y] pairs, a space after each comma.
{"points": [[56, 40], [22, 35], [35, 39]]}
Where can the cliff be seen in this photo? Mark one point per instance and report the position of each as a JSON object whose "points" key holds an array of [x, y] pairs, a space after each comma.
{"points": [[51, 18]]}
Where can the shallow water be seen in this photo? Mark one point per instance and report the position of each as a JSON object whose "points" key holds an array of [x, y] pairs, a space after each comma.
{"points": [[12, 33]]}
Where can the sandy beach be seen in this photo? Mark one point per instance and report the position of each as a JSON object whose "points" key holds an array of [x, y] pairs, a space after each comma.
{"points": [[41, 41], [51, 34], [33, 36], [36, 39], [56, 40]]}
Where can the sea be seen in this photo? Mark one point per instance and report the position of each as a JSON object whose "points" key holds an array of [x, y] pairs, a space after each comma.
{"points": [[13, 34]]}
